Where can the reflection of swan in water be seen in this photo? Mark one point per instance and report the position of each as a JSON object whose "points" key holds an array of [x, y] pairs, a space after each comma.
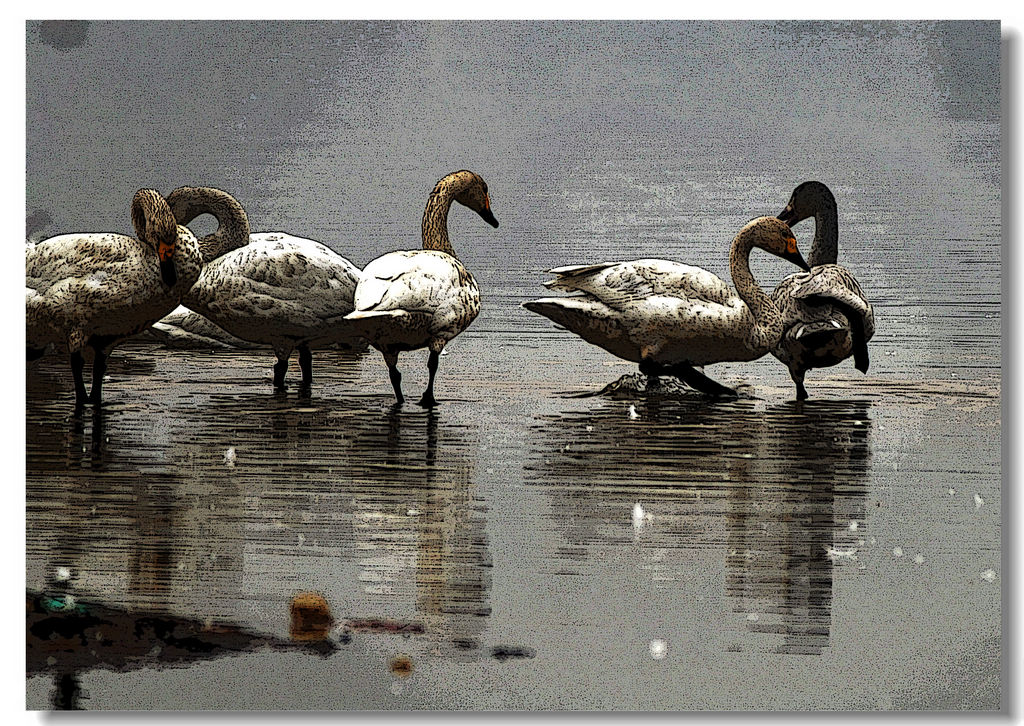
{"points": [[792, 477], [784, 536], [417, 512]]}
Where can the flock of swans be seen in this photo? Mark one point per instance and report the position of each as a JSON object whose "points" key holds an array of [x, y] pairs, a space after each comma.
{"points": [[274, 289]]}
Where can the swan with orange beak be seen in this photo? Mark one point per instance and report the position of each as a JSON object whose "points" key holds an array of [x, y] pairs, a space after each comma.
{"points": [[93, 290]]}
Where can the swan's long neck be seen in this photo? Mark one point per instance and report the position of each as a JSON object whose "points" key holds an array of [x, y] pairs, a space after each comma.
{"points": [[767, 321], [825, 248], [435, 217], [232, 222]]}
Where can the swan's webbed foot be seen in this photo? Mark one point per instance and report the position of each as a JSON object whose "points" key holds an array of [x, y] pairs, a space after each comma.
{"points": [[428, 400], [801, 392], [697, 380]]}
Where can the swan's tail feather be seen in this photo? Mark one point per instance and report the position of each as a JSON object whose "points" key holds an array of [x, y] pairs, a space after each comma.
{"points": [[588, 318], [858, 335], [570, 275], [860, 344], [368, 323]]}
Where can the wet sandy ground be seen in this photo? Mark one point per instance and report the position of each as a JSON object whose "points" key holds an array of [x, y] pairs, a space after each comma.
{"points": [[539, 550]]}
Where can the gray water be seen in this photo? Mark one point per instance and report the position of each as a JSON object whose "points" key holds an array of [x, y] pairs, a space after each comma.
{"points": [[843, 553]]}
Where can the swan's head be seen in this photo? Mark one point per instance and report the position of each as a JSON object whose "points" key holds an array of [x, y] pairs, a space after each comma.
{"points": [[806, 201], [472, 192], [773, 235], [154, 223]]}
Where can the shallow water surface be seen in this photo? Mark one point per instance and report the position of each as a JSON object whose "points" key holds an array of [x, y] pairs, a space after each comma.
{"points": [[773, 547]]}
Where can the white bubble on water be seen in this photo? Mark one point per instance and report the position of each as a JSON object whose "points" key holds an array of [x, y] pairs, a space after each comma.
{"points": [[835, 554], [897, 551], [978, 501], [230, 456], [919, 559], [988, 575], [63, 574], [632, 412], [640, 516], [659, 648]]}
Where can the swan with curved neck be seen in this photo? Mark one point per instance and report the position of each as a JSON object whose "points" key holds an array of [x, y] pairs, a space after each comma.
{"points": [[95, 290], [269, 288], [826, 317], [423, 298], [670, 317]]}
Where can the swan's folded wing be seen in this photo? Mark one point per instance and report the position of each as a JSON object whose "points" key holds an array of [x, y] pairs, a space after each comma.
{"points": [[409, 281], [78, 256], [619, 284], [835, 284]]}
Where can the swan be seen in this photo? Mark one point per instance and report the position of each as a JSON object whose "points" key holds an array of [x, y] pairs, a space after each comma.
{"points": [[269, 288], [423, 298], [670, 317], [825, 316], [96, 290]]}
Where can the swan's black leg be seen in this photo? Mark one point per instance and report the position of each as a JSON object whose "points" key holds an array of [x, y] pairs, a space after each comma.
{"points": [[428, 400], [280, 368], [797, 374], [396, 376], [695, 379], [306, 366], [77, 365], [99, 369], [652, 370]]}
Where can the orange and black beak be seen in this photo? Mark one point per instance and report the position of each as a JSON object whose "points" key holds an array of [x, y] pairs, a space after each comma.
{"points": [[167, 270], [793, 255], [486, 213]]}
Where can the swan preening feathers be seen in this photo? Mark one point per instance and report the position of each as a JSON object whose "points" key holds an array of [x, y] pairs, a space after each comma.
{"points": [[670, 317], [286, 292], [95, 290], [270, 288], [826, 317]]}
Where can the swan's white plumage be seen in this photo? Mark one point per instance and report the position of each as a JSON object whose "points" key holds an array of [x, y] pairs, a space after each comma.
{"points": [[662, 310], [279, 290], [415, 298]]}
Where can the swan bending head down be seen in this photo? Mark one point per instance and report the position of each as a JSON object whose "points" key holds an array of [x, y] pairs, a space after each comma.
{"points": [[155, 224]]}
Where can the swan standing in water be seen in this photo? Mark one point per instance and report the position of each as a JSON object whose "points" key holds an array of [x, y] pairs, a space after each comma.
{"points": [[670, 317], [826, 317], [269, 288], [423, 298], [96, 290]]}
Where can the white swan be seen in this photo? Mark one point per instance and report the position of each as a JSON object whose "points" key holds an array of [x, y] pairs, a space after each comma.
{"points": [[669, 317], [96, 290], [270, 288], [826, 317], [423, 298]]}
